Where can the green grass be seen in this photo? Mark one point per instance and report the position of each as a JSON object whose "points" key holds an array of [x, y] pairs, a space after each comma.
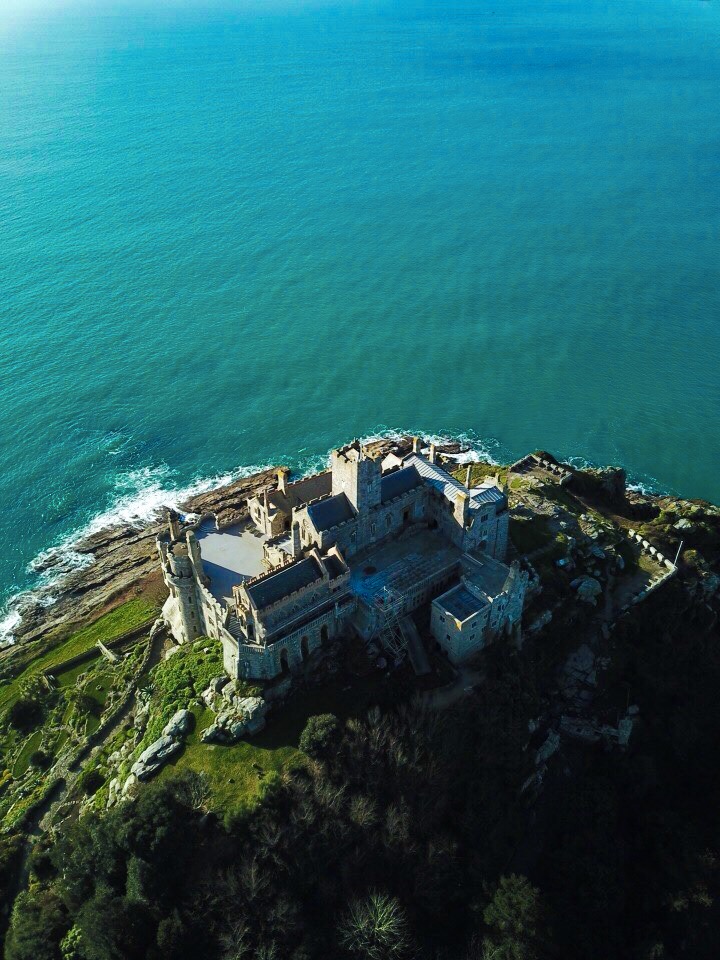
{"points": [[235, 773], [108, 627], [23, 758], [67, 679], [530, 534], [480, 472], [98, 687]]}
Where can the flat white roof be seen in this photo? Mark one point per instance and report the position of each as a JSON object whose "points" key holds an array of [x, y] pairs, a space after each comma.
{"points": [[229, 556]]}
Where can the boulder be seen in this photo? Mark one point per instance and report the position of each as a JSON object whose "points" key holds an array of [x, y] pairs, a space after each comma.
{"points": [[154, 756], [684, 525], [548, 748], [179, 725], [130, 786], [588, 589]]}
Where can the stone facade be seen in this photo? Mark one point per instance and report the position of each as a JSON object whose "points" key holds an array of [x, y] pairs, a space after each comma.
{"points": [[487, 601], [314, 530]]}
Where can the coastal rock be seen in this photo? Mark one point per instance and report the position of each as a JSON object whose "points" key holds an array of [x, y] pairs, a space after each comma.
{"points": [[120, 557]]}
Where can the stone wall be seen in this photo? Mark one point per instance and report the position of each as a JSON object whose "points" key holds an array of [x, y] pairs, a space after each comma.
{"points": [[290, 652]]}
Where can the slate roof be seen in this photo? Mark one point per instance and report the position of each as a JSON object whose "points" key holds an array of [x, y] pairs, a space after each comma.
{"points": [[399, 482], [460, 603], [302, 491], [330, 512], [450, 487], [286, 581]]}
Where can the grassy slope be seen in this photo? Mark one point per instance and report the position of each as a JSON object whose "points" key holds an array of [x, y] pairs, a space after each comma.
{"points": [[109, 627], [235, 773]]}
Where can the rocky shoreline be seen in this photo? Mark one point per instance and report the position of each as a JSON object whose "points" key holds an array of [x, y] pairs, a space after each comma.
{"points": [[122, 559]]}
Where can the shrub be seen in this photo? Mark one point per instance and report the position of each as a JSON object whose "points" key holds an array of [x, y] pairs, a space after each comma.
{"points": [[320, 735], [375, 928], [40, 759], [91, 782], [25, 714]]}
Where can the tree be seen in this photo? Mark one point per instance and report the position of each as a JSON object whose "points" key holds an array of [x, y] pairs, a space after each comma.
{"points": [[113, 928], [513, 916], [375, 928], [171, 935], [37, 926], [320, 735], [25, 714]]}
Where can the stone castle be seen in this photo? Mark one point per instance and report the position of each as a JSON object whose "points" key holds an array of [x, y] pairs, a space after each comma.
{"points": [[357, 548]]}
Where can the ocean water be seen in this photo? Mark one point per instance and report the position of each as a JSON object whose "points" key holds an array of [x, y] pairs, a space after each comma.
{"points": [[238, 233]]}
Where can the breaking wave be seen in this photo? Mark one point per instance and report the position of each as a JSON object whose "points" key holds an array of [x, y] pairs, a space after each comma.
{"points": [[141, 495]]}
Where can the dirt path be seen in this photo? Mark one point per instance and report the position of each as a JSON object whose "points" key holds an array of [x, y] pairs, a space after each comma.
{"points": [[460, 687]]}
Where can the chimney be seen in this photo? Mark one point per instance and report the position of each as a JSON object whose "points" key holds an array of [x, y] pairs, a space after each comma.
{"points": [[462, 503], [173, 525], [296, 547], [417, 445], [468, 476], [433, 455], [282, 478]]}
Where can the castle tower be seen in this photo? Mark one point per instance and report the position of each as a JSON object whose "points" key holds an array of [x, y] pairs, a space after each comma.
{"points": [[357, 475], [180, 578]]}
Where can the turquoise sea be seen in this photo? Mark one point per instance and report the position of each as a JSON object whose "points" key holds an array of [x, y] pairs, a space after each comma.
{"points": [[239, 233]]}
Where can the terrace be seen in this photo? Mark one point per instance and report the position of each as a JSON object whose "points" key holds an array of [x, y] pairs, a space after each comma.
{"points": [[230, 556]]}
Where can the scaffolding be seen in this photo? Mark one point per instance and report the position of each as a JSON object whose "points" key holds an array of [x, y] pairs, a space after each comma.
{"points": [[388, 605]]}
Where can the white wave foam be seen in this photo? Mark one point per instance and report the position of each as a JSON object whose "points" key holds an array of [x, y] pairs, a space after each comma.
{"points": [[140, 497], [8, 625]]}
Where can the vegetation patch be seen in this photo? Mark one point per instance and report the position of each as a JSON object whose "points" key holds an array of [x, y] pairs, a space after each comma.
{"points": [[109, 627], [28, 749], [176, 683], [235, 774], [480, 472], [530, 534]]}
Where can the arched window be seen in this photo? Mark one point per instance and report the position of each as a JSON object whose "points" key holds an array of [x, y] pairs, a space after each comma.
{"points": [[324, 634], [284, 666], [304, 648]]}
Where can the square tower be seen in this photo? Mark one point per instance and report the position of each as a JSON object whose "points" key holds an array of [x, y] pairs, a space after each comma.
{"points": [[357, 475]]}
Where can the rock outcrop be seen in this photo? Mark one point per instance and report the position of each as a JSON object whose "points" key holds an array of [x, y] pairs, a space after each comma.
{"points": [[154, 756]]}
